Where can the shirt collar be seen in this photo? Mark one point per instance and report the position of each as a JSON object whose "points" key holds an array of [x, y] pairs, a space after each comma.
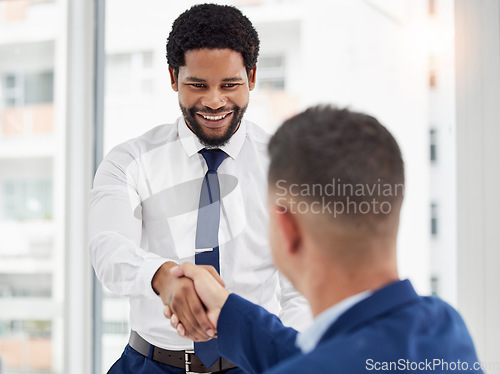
{"points": [[308, 339], [192, 144]]}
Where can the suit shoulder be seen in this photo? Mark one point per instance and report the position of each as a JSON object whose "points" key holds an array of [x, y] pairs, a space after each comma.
{"points": [[438, 308]]}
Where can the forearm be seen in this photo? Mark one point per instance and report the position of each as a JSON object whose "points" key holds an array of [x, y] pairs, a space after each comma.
{"points": [[115, 232], [122, 266]]}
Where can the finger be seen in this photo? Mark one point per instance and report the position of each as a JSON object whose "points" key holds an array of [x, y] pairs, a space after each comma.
{"points": [[210, 333], [197, 319], [167, 312], [180, 330], [190, 311], [190, 327], [174, 321]]}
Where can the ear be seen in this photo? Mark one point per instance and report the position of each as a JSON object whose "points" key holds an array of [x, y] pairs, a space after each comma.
{"points": [[174, 81], [252, 78], [290, 230]]}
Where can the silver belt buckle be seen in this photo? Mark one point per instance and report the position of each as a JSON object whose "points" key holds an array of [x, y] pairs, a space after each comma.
{"points": [[187, 362]]}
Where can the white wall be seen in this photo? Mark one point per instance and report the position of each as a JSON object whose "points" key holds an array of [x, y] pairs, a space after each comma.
{"points": [[442, 118], [478, 160]]}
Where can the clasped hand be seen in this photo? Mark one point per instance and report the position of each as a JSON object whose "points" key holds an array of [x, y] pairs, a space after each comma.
{"points": [[197, 295]]}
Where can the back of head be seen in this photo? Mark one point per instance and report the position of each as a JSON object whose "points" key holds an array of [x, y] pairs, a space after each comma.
{"points": [[215, 27], [342, 165]]}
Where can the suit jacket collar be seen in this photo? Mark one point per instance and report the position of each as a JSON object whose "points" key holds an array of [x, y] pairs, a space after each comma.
{"points": [[380, 302]]}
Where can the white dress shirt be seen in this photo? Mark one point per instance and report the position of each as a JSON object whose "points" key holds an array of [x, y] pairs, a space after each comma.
{"points": [[309, 339], [144, 209]]}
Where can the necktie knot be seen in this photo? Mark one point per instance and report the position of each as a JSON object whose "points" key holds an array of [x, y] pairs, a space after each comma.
{"points": [[213, 158]]}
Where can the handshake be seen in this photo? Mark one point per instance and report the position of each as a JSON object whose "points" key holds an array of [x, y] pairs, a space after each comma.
{"points": [[193, 300]]}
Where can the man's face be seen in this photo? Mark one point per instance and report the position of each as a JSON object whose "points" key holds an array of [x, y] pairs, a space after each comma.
{"points": [[214, 90]]}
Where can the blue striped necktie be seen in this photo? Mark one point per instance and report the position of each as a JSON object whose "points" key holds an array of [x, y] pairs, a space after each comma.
{"points": [[207, 235]]}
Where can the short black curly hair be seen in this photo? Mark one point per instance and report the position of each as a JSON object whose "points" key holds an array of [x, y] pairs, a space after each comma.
{"points": [[212, 26]]}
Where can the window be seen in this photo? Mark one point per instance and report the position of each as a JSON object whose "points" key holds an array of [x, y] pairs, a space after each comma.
{"points": [[433, 146], [16, 11], [27, 199], [271, 72], [39, 88], [432, 71], [116, 328], [25, 285], [129, 74], [27, 103], [28, 88], [11, 90], [26, 345], [32, 274], [434, 219], [435, 285]]}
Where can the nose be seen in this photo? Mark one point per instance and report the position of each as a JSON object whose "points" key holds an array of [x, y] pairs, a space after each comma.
{"points": [[214, 99]]}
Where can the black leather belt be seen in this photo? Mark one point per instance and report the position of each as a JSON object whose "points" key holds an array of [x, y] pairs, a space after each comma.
{"points": [[180, 359]]}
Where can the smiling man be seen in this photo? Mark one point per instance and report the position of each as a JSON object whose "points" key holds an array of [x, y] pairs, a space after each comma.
{"points": [[193, 191], [213, 88]]}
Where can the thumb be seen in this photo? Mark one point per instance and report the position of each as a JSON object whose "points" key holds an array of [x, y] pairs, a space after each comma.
{"points": [[177, 271], [187, 269]]}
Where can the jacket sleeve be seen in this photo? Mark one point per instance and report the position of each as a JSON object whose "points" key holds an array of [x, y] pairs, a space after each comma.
{"points": [[253, 338]]}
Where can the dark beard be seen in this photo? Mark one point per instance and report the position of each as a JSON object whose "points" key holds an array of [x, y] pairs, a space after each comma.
{"points": [[210, 141]]}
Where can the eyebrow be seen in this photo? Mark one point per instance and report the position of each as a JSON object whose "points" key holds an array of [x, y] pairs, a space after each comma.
{"points": [[198, 80], [234, 79], [193, 79]]}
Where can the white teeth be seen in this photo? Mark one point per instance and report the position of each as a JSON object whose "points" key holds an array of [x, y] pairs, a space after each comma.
{"points": [[214, 118]]}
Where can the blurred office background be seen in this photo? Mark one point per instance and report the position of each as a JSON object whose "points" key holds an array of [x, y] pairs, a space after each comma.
{"points": [[78, 77]]}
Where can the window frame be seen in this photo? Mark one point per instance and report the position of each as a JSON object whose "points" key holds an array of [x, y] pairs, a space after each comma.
{"points": [[74, 93]]}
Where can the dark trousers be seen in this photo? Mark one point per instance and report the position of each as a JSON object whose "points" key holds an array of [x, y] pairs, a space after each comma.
{"points": [[132, 362]]}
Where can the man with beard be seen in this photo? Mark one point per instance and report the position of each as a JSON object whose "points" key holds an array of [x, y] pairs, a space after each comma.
{"points": [[193, 191]]}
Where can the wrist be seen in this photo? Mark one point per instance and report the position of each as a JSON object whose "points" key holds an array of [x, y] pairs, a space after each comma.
{"points": [[219, 303], [162, 277], [222, 298]]}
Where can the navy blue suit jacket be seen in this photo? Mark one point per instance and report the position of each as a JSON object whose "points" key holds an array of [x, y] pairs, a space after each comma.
{"points": [[392, 331]]}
